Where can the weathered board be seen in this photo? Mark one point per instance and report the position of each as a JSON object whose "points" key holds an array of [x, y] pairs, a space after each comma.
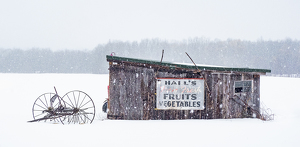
{"points": [[133, 92]]}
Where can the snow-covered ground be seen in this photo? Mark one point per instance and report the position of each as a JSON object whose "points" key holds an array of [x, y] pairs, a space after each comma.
{"points": [[19, 91]]}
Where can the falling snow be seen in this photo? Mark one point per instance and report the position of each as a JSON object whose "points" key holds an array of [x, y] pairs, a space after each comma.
{"points": [[18, 92]]}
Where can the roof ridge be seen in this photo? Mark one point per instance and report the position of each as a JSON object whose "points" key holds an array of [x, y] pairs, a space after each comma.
{"points": [[180, 65]]}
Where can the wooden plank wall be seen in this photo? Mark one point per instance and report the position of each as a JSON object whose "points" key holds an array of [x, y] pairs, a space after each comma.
{"points": [[133, 89]]}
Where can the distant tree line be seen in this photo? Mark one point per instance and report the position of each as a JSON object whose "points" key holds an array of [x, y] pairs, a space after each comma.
{"points": [[282, 56]]}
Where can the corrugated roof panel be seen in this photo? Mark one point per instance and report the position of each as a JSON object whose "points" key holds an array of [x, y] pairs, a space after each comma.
{"points": [[183, 65]]}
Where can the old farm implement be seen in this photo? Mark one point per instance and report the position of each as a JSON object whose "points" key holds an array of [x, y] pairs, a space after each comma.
{"points": [[75, 107]]}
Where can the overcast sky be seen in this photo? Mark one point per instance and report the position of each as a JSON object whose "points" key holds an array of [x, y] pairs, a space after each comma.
{"points": [[76, 24]]}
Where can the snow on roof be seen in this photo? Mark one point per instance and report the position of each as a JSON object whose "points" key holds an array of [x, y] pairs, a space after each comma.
{"points": [[204, 65], [184, 65]]}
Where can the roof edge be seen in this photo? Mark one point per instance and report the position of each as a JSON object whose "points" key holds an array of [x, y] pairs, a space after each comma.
{"points": [[169, 64]]}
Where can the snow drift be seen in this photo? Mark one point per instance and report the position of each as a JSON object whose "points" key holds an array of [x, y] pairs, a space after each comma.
{"points": [[18, 92]]}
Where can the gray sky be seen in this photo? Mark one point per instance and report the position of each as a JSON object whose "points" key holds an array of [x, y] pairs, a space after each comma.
{"points": [[83, 24]]}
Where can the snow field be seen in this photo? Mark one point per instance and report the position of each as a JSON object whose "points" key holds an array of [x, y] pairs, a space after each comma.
{"points": [[19, 91]]}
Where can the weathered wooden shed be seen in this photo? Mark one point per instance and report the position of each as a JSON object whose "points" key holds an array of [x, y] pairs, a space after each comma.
{"points": [[153, 90]]}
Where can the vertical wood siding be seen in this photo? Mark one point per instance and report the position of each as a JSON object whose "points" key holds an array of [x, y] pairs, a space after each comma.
{"points": [[133, 94]]}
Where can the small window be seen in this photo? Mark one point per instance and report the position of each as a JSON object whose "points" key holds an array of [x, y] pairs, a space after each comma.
{"points": [[242, 86]]}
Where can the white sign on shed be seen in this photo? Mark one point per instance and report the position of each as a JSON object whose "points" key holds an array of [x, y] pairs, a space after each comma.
{"points": [[180, 93]]}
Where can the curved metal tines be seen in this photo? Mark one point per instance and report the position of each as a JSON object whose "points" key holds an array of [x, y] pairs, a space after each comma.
{"points": [[82, 106], [74, 107], [45, 106]]}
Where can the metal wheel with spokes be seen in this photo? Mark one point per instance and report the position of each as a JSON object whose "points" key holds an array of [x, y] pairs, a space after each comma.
{"points": [[43, 107], [80, 106]]}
